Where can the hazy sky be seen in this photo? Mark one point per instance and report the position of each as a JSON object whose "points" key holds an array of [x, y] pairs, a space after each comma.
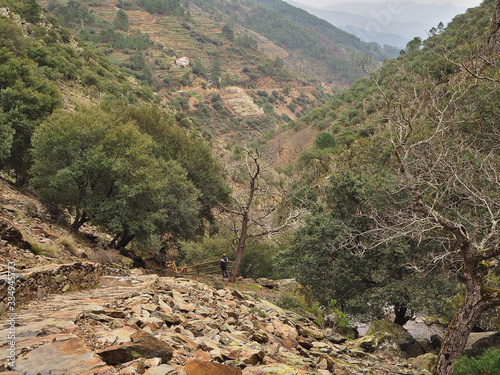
{"points": [[323, 3]]}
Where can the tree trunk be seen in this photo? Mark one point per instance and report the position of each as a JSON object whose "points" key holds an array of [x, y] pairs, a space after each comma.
{"points": [[80, 219], [400, 314], [235, 271], [464, 321], [124, 240], [113, 241]]}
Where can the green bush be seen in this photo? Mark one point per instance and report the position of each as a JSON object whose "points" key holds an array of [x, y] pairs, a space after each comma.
{"points": [[211, 248], [293, 302], [487, 364]]}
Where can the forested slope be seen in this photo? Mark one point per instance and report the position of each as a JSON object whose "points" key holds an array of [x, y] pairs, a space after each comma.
{"points": [[405, 177]]}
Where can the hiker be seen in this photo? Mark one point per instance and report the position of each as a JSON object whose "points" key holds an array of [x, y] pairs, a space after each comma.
{"points": [[223, 266], [163, 256]]}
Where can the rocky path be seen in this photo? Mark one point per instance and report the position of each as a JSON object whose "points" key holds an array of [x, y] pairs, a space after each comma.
{"points": [[145, 324]]}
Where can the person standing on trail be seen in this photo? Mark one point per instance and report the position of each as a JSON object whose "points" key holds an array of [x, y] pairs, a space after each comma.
{"points": [[223, 265], [163, 256]]}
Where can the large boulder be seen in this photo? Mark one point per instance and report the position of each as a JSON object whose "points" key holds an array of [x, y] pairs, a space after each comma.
{"points": [[478, 342], [142, 344], [424, 362], [395, 333], [13, 235]]}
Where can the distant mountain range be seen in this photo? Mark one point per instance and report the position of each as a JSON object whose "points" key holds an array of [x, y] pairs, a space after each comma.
{"points": [[391, 23]]}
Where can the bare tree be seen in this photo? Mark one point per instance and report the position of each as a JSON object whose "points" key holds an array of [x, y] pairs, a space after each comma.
{"points": [[254, 207], [446, 183]]}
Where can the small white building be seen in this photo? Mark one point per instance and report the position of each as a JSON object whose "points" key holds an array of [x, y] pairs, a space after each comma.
{"points": [[182, 61]]}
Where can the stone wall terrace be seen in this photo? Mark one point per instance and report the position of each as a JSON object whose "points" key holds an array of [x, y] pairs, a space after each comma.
{"points": [[38, 282]]}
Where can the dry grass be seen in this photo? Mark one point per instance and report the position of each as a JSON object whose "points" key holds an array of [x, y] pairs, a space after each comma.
{"points": [[69, 243]]}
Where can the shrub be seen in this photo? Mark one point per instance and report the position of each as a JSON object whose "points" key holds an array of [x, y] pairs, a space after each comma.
{"points": [[292, 302], [487, 364], [69, 244]]}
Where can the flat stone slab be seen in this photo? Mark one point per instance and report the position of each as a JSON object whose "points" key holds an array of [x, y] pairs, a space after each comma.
{"points": [[69, 356]]}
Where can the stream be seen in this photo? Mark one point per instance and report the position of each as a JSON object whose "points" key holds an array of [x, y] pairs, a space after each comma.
{"points": [[416, 327]]}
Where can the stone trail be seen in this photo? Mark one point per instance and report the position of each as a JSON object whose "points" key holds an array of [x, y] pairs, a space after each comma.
{"points": [[145, 324]]}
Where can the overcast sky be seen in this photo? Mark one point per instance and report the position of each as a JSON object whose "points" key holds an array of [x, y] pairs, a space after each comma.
{"points": [[324, 3]]}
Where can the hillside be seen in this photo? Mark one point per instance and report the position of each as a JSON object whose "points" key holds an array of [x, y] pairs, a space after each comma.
{"points": [[132, 323], [399, 174], [225, 46]]}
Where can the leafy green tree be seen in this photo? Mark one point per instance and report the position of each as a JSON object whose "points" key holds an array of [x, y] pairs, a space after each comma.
{"points": [[325, 140], [6, 136], [228, 33], [176, 143], [25, 99], [73, 12], [171, 7], [121, 20], [105, 171], [323, 256], [32, 11], [198, 68], [186, 79]]}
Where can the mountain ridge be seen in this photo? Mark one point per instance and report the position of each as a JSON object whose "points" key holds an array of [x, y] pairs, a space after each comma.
{"points": [[371, 21]]}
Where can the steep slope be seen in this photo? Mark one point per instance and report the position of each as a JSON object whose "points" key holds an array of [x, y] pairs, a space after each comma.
{"points": [[127, 320], [309, 40]]}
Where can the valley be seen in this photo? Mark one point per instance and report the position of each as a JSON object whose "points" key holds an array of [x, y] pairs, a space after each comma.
{"points": [[346, 181]]}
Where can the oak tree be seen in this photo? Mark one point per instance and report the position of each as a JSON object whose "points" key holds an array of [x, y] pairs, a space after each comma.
{"points": [[443, 133]]}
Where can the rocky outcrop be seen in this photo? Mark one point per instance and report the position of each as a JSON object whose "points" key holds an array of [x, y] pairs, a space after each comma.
{"points": [[424, 362], [36, 283], [387, 334], [479, 342], [12, 235], [144, 324]]}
